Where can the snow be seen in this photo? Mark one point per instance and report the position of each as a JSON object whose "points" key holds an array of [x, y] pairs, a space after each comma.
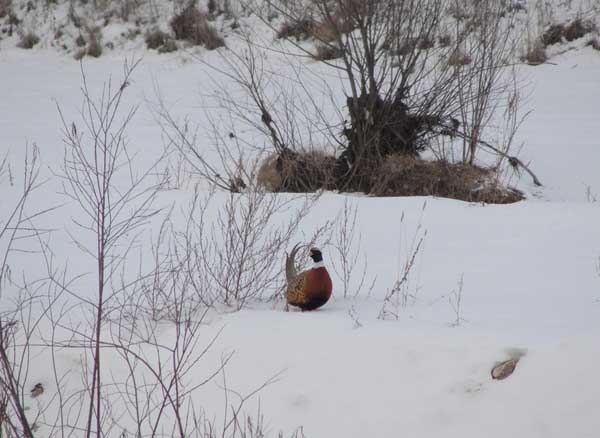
{"points": [[530, 283]]}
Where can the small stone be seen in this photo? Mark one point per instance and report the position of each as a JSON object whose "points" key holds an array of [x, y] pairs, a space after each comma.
{"points": [[504, 369]]}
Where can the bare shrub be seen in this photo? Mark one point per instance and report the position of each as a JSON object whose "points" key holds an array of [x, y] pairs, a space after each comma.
{"points": [[193, 26], [18, 320], [113, 211], [27, 40], [403, 292], [347, 242], [238, 263]]}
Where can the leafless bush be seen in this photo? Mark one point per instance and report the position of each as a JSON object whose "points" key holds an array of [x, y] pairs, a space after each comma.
{"points": [[192, 25], [347, 241], [96, 159], [402, 293], [238, 257], [18, 320], [400, 95], [484, 83], [27, 40]]}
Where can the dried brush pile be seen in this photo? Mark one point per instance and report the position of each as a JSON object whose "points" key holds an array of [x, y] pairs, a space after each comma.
{"points": [[398, 175]]}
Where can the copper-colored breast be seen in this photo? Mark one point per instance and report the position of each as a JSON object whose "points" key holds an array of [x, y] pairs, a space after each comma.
{"points": [[315, 291]]}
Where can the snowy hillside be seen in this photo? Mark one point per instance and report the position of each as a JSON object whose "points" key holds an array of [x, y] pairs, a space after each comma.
{"points": [[486, 283]]}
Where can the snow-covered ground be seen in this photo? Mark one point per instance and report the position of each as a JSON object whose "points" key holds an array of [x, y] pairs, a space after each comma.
{"points": [[529, 272]]}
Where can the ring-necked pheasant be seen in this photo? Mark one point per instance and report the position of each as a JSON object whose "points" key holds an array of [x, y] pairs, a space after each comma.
{"points": [[309, 289]]}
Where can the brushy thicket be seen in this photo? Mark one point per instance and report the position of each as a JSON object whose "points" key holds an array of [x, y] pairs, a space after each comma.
{"points": [[192, 25], [398, 175]]}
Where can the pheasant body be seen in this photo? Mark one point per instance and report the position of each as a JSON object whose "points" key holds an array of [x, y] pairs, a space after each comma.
{"points": [[309, 289]]}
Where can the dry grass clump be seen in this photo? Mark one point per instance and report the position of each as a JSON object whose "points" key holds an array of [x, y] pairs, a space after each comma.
{"points": [[594, 43], [578, 28], [301, 29], [401, 175], [162, 41], [27, 40], [444, 40], [93, 45], [398, 175], [155, 38], [297, 172], [5, 8], [193, 26], [458, 58], [326, 52], [536, 54]]}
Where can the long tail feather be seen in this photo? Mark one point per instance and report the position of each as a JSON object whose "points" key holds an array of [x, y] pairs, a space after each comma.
{"points": [[290, 263]]}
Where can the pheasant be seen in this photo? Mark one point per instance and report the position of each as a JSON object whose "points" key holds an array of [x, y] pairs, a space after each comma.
{"points": [[309, 289]]}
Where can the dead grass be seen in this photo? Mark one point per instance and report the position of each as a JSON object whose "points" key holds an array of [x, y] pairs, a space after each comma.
{"points": [[5, 8], [27, 40], [297, 172], [193, 26], [326, 52], [536, 54], [576, 29], [594, 43], [458, 58], [398, 175], [402, 175], [155, 39], [93, 43], [301, 29]]}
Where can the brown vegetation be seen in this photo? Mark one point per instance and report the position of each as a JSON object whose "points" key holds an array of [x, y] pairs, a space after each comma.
{"points": [[408, 176], [458, 58], [576, 29], [537, 54], [27, 40], [296, 172], [398, 175], [326, 52], [193, 26]]}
